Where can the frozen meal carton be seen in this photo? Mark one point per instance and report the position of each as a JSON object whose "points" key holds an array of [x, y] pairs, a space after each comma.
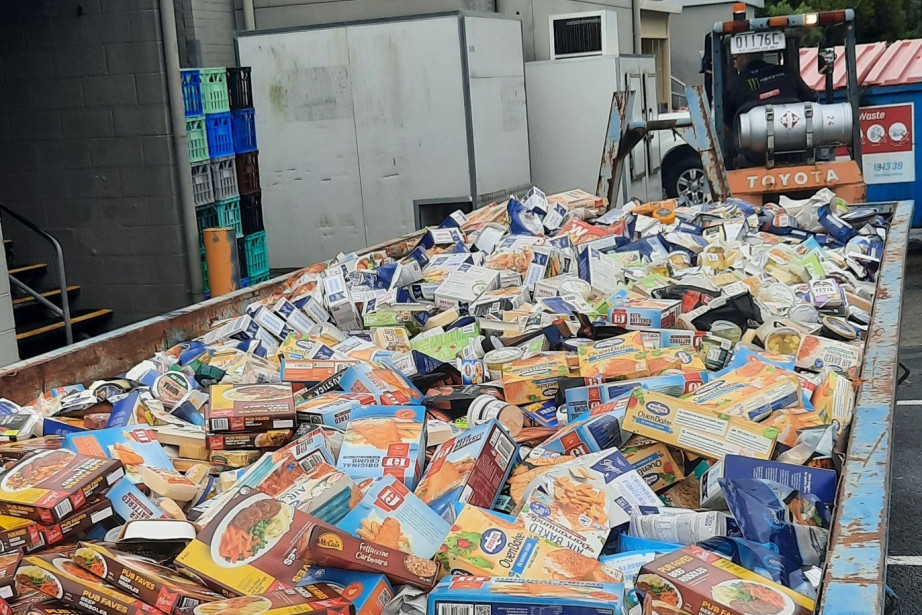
{"points": [[311, 599], [752, 391], [481, 543], [369, 593], [60, 577], [142, 578], [16, 533], [582, 399], [250, 407], [463, 594], [49, 485], [78, 522], [617, 358], [339, 302], [129, 502], [446, 346], [697, 429], [315, 488], [834, 399], [333, 409], [260, 439], [385, 441], [311, 371], [386, 384], [495, 302], [816, 353], [589, 435], [645, 313], [471, 467], [531, 380], [654, 461], [697, 581], [676, 358], [392, 515], [666, 338], [805, 479], [464, 285], [570, 507]]}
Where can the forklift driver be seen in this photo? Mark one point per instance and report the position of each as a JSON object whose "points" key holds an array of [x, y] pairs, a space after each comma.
{"points": [[760, 83]]}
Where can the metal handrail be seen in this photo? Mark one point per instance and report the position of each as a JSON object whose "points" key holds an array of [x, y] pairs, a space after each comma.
{"points": [[680, 95], [64, 310]]}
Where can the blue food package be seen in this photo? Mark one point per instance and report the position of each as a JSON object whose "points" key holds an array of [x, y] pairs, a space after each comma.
{"points": [[517, 596], [130, 503], [805, 479], [581, 399], [769, 512], [389, 386], [368, 592], [385, 441], [522, 221], [634, 543], [392, 515], [591, 435], [134, 447], [762, 560]]}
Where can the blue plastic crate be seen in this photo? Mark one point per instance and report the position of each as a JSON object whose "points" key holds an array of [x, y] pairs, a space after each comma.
{"points": [[220, 135], [228, 214], [257, 257], [244, 127], [192, 92]]}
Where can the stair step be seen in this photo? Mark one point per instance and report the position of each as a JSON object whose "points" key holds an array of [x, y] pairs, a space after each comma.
{"points": [[82, 318], [29, 270], [52, 295]]}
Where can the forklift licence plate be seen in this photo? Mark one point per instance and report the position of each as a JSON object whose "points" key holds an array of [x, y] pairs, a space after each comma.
{"points": [[754, 42]]}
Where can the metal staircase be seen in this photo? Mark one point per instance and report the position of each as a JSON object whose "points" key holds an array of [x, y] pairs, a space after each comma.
{"points": [[44, 318]]}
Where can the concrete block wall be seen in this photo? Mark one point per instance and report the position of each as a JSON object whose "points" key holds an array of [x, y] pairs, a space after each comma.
{"points": [[207, 27], [288, 13], [9, 353], [85, 149]]}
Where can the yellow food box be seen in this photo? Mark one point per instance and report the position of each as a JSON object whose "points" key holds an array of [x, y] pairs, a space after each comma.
{"points": [[683, 358], [617, 358], [695, 428], [834, 399], [790, 421], [484, 544], [534, 379], [751, 391]]}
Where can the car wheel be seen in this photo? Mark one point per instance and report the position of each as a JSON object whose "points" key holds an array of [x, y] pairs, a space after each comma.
{"points": [[685, 178]]}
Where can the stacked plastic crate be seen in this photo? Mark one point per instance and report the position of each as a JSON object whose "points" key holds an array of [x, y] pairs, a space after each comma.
{"points": [[222, 146], [251, 247]]}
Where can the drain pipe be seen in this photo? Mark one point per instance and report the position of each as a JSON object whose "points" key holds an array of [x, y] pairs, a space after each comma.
{"points": [[181, 149], [635, 22], [249, 16]]}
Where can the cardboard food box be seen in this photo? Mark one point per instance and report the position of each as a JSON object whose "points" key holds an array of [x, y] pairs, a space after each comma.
{"points": [[805, 479], [752, 391], [318, 489], [391, 515], [816, 353], [582, 399], [49, 485], [17, 533], [471, 467], [61, 578], [483, 544], [590, 435], [129, 502], [464, 594], [78, 522], [464, 285], [682, 358], [690, 427], [693, 580], [16, 450], [385, 441], [250, 407], [666, 338], [339, 302], [369, 593], [534, 379], [388, 386], [234, 441], [313, 599], [654, 461], [142, 578], [645, 313], [17, 427], [617, 358], [311, 371], [9, 562], [333, 408], [49, 607]]}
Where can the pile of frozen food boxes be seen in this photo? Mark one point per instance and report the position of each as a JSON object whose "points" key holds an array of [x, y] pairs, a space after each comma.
{"points": [[545, 402]]}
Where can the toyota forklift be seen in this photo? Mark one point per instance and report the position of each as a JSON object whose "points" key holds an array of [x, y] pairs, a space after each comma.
{"points": [[788, 147]]}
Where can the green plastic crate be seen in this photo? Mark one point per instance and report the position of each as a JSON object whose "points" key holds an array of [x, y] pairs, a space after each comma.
{"points": [[198, 139], [207, 217], [228, 212], [214, 90], [257, 257]]}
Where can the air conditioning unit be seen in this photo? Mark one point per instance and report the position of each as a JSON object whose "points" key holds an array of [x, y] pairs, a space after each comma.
{"points": [[578, 35]]}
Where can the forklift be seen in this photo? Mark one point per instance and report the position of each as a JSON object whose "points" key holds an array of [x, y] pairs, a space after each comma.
{"points": [[788, 147]]}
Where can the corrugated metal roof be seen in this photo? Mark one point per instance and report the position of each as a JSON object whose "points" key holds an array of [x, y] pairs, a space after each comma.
{"points": [[877, 64]]}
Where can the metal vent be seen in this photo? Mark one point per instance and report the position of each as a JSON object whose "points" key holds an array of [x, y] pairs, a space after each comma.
{"points": [[578, 35]]}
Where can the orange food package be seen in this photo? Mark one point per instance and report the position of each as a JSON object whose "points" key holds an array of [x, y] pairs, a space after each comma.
{"points": [[617, 358]]}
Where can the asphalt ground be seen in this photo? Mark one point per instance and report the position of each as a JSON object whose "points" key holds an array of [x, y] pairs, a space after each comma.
{"points": [[904, 570]]}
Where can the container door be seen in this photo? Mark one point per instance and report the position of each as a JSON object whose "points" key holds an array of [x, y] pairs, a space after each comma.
{"points": [[650, 105], [638, 156]]}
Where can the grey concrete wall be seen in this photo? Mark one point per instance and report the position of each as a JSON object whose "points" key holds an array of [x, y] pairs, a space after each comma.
{"points": [[207, 29], [688, 29], [287, 13], [9, 352], [85, 149]]}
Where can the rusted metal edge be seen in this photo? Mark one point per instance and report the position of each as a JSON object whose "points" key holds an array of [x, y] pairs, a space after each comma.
{"points": [[856, 567], [115, 352]]}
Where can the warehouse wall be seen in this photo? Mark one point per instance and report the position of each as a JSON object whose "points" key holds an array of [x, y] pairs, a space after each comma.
{"points": [[207, 27], [287, 13], [85, 148]]}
